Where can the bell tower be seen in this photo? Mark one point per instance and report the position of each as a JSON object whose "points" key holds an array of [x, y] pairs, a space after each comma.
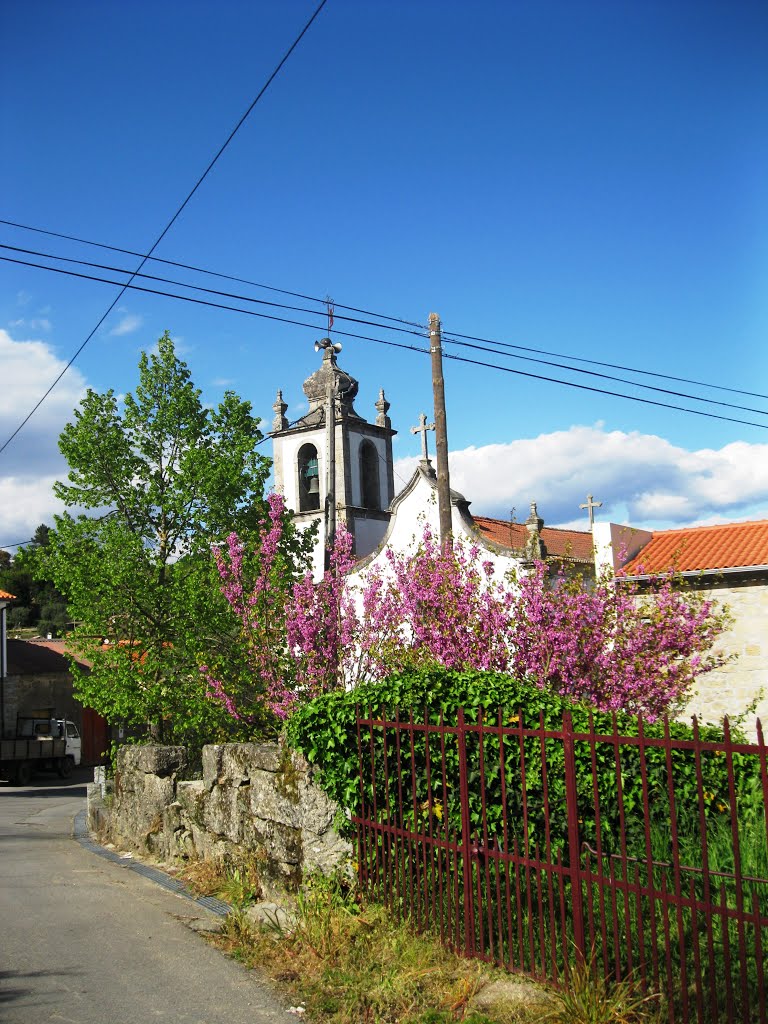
{"points": [[333, 466]]}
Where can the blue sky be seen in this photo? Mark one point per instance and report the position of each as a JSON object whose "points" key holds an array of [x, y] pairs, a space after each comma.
{"points": [[587, 179]]}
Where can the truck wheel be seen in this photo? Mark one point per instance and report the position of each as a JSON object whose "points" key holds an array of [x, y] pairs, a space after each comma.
{"points": [[23, 773], [66, 764]]}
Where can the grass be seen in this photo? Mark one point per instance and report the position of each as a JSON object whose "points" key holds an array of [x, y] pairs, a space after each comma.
{"points": [[346, 961], [235, 883], [590, 999]]}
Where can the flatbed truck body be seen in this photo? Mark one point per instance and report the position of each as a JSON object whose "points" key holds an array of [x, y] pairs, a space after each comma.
{"points": [[48, 744]]}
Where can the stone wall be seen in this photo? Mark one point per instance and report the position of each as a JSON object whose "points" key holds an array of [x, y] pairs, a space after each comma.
{"points": [[739, 683], [254, 801]]}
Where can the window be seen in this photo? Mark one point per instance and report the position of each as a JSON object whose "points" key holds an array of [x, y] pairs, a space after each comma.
{"points": [[309, 479], [370, 493]]}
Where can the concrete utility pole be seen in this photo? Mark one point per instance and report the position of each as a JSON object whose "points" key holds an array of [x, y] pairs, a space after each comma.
{"points": [[441, 431], [330, 483]]}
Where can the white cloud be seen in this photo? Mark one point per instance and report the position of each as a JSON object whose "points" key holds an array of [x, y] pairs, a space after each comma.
{"points": [[127, 324], [640, 478], [222, 382], [24, 504], [32, 461]]}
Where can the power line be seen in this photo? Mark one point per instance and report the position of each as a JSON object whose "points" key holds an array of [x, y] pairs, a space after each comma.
{"points": [[610, 366], [411, 348], [381, 316], [184, 284], [607, 376], [603, 391], [211, 273], [449, 340], [172, 221]]}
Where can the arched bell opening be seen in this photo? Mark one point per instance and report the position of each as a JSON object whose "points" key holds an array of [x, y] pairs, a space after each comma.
{"points": [[370, 492], [309, 479]]}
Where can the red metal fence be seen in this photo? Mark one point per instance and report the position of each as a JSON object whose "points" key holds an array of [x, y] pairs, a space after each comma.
{"points": [[530, 847]]}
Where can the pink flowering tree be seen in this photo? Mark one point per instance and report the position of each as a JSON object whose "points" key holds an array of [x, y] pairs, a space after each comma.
{"points": [[602, 642], [258, 585], [434, 605], [611, 644]]}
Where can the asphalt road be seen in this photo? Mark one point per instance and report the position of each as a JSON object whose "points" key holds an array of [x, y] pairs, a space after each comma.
{"points": [[86, 941]]}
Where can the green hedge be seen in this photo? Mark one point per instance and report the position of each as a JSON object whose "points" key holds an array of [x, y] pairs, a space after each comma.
{"points": [[324, 731]]}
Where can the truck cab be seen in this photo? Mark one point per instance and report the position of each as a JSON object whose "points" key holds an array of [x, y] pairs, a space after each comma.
{"points": [[52, 729]]}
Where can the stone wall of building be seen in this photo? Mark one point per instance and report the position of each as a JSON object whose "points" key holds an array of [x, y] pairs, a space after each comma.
{"points": [[738, 684], [39, 694], [254, 801]]}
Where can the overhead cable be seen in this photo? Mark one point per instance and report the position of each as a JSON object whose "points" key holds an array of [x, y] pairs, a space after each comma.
{"points": [[411, 348], [384, 316], [171, 222], [389, 327]]}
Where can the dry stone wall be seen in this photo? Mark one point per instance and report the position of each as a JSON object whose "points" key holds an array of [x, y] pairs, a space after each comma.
{"points": [[254, 801]]}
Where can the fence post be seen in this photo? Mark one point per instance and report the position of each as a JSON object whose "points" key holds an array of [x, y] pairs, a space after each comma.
{"points": [[466, 853], [574, 845]]}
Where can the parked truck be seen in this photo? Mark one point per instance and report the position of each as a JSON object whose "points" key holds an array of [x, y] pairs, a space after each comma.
{"points": [[40, 744]]}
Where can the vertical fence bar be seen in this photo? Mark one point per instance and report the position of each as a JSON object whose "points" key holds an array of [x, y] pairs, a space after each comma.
{"points": [[466, 854], [706, 880], [696, 952], [402, 856], [574, 845], [429, 845], [501, 845], [624, 861], [737, 870], [526, 843], [759, 955], [415, 844], [389, 841], [548, 847], [503, 863], [484, 857], [676, 868], [599, 856], [641, 748]]}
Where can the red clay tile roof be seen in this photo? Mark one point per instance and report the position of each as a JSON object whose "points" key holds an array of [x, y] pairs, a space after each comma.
{"points": [[699, 548], [575, 544], [5, 596]]}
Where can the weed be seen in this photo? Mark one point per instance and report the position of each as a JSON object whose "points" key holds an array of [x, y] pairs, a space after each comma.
{"points": [[590, 998], [347, 961]]}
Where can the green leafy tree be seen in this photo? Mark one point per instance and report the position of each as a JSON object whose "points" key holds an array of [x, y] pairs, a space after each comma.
{"points": [[164, 478], [38, 603]]}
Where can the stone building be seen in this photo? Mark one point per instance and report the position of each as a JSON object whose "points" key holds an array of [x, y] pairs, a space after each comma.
{"points": [[38, 683], [728, 563]]}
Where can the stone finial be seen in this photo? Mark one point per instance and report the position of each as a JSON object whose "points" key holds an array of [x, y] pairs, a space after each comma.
{"points": [[330, 373], [382, 407], [279, 422], [535, 548]]}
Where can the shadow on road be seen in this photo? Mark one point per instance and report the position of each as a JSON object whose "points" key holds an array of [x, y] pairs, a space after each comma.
{"points": [[9, 993], [31, 791]]}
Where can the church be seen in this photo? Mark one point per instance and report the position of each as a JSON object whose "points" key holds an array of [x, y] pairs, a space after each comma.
{"points": [[345, 474]]}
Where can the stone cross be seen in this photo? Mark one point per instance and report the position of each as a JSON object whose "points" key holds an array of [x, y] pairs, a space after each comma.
{"points": [[422, 429], [590, 507]]}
